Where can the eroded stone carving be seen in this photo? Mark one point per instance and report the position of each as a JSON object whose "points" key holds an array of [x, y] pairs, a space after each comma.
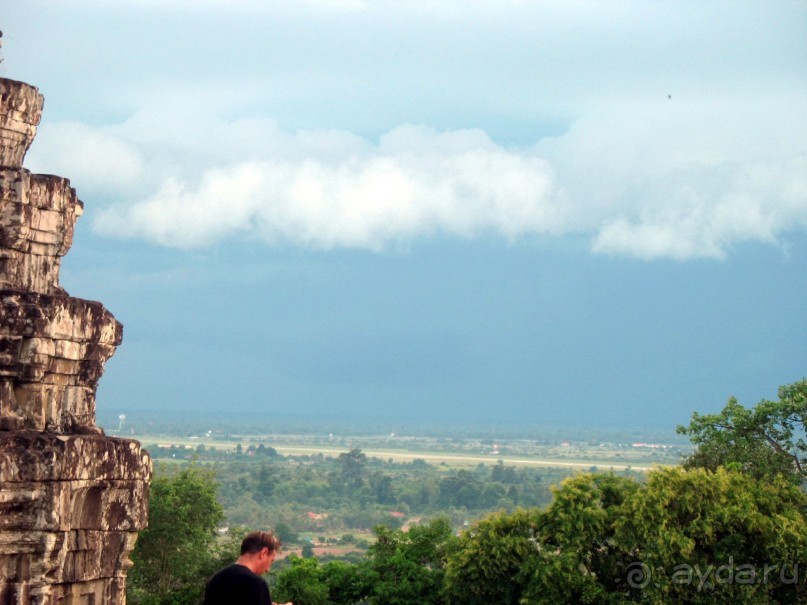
{"points": [[71, 499]]}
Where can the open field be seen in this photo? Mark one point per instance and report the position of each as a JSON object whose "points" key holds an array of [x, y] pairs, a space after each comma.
{"points": [[604, 457], [460, 459]]}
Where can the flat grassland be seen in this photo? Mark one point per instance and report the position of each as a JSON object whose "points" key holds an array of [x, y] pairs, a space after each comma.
{"points": [[445, 452]]}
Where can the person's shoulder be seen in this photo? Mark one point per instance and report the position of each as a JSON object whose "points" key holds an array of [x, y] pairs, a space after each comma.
{"points": [[230, 570], [237, 570], [219, 585]]}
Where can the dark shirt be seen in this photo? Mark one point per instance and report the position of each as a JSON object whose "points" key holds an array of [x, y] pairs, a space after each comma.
{"points": [[237, 585]]}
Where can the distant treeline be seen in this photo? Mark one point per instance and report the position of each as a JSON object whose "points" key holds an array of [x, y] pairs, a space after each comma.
{"points": [[258, 488]]}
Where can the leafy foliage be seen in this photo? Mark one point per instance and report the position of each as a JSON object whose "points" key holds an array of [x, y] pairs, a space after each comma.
{"points": [[302, 583], [683, 523], [698, 537], [491, 558], [175, 555], [353, 464], [766, 440], [401, 568], [308, 582], [579, 558], [359, 493], [409, 565]]}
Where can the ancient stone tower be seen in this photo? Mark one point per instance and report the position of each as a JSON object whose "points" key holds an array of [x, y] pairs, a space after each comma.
{"points": [[71, 499]]}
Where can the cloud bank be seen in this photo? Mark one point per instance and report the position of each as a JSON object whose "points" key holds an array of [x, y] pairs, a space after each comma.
{"points": [[645, 179], [415, 182], [644, 127]]}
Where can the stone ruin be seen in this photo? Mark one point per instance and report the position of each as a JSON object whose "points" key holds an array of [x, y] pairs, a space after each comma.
{"points": [[71, 499]]}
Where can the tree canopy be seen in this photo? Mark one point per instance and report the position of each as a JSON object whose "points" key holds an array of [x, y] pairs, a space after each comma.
{"points": [[177, 552], [764, 441]]}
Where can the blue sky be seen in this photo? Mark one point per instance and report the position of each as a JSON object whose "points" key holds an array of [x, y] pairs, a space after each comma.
{"points": [[589, 213]]}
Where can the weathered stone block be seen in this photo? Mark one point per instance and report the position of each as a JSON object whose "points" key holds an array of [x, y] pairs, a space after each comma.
{"points": [[64, 505], [31, 456], [23, 271], [73, 556], [35, 315], [70, 506], [38, 213], [21, 106], [53, 351]]}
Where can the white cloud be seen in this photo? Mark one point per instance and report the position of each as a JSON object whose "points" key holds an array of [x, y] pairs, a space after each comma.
{"points": [[756, 203], [267, 127], [94, 159], [686, 178], [658, 178], [414, 182]]}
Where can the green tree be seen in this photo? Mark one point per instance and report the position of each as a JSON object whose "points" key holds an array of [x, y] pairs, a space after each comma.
{"points": [[409, 566], [705, 537], [353, 464], [307, 582], [579, 559], [503, 474], [460, 489], [301, 583], [681, 537], [285, 532], [383, 489], [264, 481], [492, 560], [348, 584], [177, 552], [764, 441]]}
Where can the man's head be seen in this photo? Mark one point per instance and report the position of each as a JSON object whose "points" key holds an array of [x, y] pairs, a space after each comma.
{"points": [[258, 550]]}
